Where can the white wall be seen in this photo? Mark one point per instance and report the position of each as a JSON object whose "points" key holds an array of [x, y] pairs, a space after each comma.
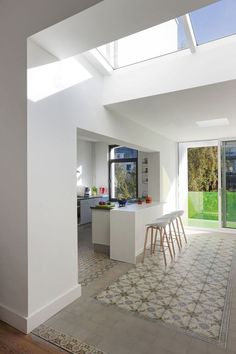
{"points": [[52, 241], [100, 164], [85, 163], [84, 100], [154, 175], [38, 269], [36, 56], [92, 162], [18, 20]]}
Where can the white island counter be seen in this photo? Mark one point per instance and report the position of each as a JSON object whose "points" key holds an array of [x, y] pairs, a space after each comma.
{"points": [[124, 229]]}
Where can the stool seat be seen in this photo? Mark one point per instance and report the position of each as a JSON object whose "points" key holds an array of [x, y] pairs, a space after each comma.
{"points": [[179, 212], [158, 223]]}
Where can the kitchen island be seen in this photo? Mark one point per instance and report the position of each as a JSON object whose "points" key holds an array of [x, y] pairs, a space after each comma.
{"points": [[123, 229]]}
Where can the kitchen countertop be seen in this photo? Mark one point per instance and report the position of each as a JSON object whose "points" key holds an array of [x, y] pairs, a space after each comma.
{"points": [[92, 197], [133, 207]]}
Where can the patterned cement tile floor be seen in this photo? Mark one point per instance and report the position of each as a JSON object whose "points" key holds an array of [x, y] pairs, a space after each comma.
{"points": [[114, 330], [93, 265], [192, 293]]}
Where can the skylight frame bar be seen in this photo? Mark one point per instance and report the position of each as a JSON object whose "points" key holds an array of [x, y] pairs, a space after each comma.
{"points": [[189, 32], [116, 60], [106, 60]]}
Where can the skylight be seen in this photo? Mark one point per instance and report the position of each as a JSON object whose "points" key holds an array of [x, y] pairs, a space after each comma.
{"points": [[153, 42], [213, 123], [46, 80], [215, 21], [201, 26]]}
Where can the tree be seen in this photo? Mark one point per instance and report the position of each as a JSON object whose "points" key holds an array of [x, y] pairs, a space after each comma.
{"points": [[203, 169], [125, 182]]}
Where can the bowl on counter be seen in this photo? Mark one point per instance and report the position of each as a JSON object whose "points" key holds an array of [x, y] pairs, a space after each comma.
{"points": [[122, 202]]}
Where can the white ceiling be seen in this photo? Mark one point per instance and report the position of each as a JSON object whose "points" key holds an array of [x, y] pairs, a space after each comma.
{"points": [[174, 115], [110, 20]]}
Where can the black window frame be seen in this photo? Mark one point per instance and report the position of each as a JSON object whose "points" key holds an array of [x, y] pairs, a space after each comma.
{"points": [[124, 160]]}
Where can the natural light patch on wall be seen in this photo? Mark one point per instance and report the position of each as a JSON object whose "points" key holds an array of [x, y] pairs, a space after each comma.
{"points": [[168, 187], [46, 80], [79, 175]]}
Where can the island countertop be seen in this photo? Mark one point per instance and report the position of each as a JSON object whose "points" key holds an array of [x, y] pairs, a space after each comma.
{"points": [[133, 207]]}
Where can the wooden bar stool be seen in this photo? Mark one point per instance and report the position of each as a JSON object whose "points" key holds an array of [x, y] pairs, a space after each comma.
{"points": [[173, 234], [159, 225], [181, 232]]}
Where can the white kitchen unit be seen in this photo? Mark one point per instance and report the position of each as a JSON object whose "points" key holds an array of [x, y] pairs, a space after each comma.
{"points": [[124, 229], [127, 229], [101, 227]]}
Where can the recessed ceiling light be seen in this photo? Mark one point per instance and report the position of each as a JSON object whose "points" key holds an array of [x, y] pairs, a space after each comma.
{"points": [[213, 123]]}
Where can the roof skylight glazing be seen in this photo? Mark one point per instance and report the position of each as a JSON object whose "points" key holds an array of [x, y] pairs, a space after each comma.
{"points": [[201, 26], [215, 21], [153, 42]]}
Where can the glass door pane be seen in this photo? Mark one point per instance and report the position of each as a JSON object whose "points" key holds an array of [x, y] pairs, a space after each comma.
{"points": [[203, 186], [228, 178]]}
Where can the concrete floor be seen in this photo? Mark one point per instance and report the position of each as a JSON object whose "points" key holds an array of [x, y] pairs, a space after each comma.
{"points": [[120, 332]]}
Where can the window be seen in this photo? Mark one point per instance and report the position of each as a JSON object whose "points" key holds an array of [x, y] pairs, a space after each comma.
{"points": [[214, 21], [123, 173]]}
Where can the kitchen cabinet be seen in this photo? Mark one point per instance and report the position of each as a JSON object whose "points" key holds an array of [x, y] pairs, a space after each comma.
{"points": [[84, 209]]}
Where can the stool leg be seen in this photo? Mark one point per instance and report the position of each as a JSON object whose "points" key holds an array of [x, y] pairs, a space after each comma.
{"points": [[155, 241], [145, 243], [182, 226], [177, 224], [162, 245], [171, 238], [168, 244], [176, 236], [151, 240]]}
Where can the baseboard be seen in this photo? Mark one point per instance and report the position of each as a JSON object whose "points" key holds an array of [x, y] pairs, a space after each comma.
{"points": [[13, 318], [28, 324]]}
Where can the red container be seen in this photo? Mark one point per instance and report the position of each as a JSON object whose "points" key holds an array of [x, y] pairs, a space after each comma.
{"points": [[149, 199], [102, 190]]}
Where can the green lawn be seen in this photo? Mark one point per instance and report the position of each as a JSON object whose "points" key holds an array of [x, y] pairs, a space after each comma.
{"points": [[204, 206]]}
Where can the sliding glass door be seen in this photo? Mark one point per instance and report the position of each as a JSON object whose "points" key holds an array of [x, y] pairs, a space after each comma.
{"points": [[207, 183], [228, 184]]}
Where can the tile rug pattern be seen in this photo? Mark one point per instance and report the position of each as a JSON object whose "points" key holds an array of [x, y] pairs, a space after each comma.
{"points": [[93, 265], [64, 341], [192, 294]]}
